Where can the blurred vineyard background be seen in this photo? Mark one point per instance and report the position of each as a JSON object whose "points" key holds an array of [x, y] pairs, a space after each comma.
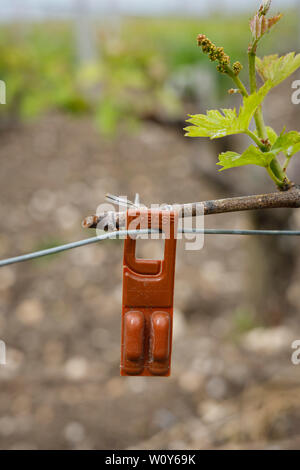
{"points": [[96, 104]]}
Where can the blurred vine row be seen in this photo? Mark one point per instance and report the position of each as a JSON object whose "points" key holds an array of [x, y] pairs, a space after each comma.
{"points": [[143, 69]]}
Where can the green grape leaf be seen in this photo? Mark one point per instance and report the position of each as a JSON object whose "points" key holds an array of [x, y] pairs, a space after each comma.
{"points": [[275, 69], [288, 143], [215, 124], [251, 156]]}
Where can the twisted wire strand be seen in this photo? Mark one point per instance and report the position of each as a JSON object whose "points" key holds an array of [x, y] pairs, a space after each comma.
{"points": [[123, 233]]}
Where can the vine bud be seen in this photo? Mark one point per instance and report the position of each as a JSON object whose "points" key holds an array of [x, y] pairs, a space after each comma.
{"points": [[200, 39], [237, 67]]}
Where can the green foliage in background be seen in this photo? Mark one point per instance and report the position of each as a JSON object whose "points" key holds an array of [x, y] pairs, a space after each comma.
{"points": [[39, 69], [128, 82]]}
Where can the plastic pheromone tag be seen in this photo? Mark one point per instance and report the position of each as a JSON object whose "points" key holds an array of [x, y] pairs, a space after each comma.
{"points": [[148, 291]]}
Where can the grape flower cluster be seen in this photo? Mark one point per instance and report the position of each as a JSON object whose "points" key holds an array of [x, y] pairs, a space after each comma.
{"points": [[218, 54]]}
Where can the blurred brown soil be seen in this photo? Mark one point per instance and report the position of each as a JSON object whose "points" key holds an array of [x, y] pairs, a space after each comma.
{"points": [[232, 384]]}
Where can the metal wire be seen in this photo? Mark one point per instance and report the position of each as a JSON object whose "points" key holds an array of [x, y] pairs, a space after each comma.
{"points": [[123, 233]]}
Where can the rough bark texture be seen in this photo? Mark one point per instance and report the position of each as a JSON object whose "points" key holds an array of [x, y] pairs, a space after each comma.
{"points": [[287, 199]]}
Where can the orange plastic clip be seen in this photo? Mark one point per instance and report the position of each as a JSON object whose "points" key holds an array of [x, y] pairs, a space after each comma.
{"points": [[148, 291]]}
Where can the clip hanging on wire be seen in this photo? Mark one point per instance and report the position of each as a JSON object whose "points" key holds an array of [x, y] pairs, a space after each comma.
{"points": [[148, 291]]}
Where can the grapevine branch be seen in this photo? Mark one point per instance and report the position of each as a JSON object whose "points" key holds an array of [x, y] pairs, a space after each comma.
{"points": [[285, 199]]}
